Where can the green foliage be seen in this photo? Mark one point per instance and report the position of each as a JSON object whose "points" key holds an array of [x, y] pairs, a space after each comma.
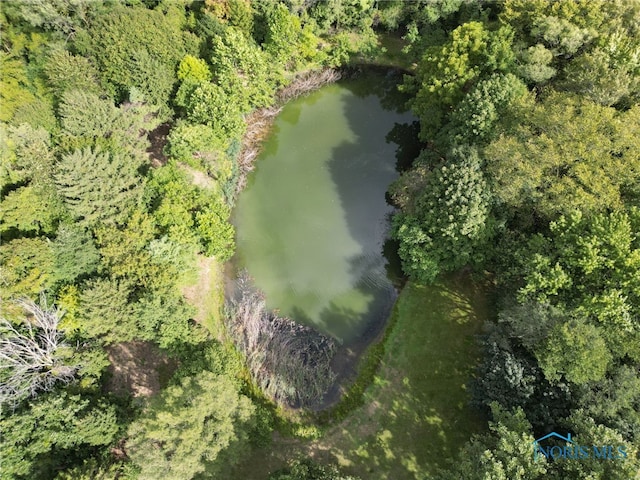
{"points": [[125, 255], [286, 40], [26, 267], [536, 62], [191, 429], [445, 225], [614, 402], [99, 186], [576, 350], [243, 72], [126, 47], [505, 454], [165, 318], [307, 469], [15, 88], [93, 469], [26, 156], [216, 233], [194, 69], [589, 432], [198, 146], [589, 264], [173, 201], [343, 14], [37, 438], [105, 312], [483, 110], [211, 105], [566, 154], [63, 17], [189, 215], [234, 13], [76, 255], [604, 76], [444, 73], [29, 209], [65, 72], [88, 120]]}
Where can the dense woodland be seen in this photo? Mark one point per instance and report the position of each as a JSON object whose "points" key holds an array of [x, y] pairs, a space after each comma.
{"points": [[529, 176]]}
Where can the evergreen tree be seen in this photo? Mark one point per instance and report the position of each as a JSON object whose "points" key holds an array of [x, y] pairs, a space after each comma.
{"points": [[99, 186]]}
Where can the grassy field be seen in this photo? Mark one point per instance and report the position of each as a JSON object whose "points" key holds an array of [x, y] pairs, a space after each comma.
{"points": [[415, 415]]}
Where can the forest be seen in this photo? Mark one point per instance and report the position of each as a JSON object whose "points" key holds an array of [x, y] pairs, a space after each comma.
{"points": [[127, 131]]}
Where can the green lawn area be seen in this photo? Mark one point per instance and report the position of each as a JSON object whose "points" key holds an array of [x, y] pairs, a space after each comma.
{"points": [[416, 414]]}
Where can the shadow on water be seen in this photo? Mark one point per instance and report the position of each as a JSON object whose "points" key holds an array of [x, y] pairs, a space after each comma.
{"points": [[362, 172], [382, 141]]}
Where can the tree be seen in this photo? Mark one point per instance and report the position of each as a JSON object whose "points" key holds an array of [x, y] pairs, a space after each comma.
{"points": [[38, 438], [14, 86], [105, 312], [575, 350], [443, 73], [588, 432], [173, 200], [30, 209], [125, 254], [26, 156], [165, 317], [504, 454], [604, 77], [307, 469], [589, 264], [614, 401], [447, 222], [32, 356], [99, 186], [536, 64], [243, 71], [480, 113], [198, 146], [193, 68], [65, 72], [26, 267], [209, 104], [127, 49], [76, 255], [284, 33], [89, 121], [216, 233], [191, 428], [566, 154]]}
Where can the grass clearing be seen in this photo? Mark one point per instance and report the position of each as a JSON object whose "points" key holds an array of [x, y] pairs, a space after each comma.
{"points": [[206, 293], [415, 414]]}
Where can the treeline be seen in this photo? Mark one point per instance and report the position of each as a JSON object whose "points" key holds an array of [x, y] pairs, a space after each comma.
{"points": [[102, 221], [531, 174]]}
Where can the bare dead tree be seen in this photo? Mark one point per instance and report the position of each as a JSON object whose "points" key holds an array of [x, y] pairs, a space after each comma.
{"points": [[290, 362], [31, 358]]}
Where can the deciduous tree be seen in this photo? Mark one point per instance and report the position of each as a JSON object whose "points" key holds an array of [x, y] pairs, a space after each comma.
{"points": [[190, 428]]}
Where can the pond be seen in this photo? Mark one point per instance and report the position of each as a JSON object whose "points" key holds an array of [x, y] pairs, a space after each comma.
{"points": [[313, 222]]}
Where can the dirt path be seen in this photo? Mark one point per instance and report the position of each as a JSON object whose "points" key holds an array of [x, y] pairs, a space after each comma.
{"points": [[138, 368]]}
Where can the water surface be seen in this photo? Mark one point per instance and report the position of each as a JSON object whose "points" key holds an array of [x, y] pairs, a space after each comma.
{"points": [[313, 221]]}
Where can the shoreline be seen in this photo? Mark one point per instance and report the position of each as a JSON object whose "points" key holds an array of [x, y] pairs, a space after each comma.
{"points": [[348, 360]]}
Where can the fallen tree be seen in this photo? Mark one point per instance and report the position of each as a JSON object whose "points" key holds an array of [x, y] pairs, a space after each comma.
{"points": [[290, 362]]}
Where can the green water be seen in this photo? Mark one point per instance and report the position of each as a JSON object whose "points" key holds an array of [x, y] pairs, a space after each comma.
{"points": [[313, 221]]}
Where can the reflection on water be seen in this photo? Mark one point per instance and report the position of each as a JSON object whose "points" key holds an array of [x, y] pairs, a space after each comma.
{"points": [[313, 221]]}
